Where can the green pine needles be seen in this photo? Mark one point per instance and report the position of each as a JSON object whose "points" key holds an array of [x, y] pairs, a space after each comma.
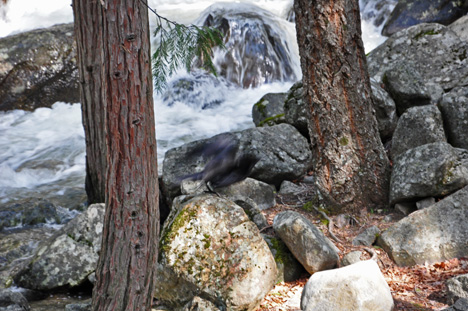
{"points": [[182, 45]]}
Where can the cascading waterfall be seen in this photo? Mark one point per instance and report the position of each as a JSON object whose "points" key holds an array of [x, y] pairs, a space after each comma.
{"points": [[42, 153]]}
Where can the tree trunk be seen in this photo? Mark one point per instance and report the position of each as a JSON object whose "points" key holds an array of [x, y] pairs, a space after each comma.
{"points": [[89, 45], [127, 262], [350, 164]]}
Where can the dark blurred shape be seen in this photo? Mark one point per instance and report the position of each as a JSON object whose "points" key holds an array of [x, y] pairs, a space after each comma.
{"points": [[226, 165]]}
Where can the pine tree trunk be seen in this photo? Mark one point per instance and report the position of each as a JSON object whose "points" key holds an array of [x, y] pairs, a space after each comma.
{"points": [[89, 45], [350, 164], [127, 262]]}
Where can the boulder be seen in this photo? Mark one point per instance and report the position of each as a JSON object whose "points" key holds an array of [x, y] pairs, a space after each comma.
{"points": [[351, 258], [406, 86], [289, 269], [16, 247], [269, 110], [460, 27], [426, 202], [412, 12], [198, 304], [307, 243], [454, 107], [284, 155], [257, 50], [385, 111], [210, 248], [435, 169], [28, 212], [13, 301], [457, 287], [416, 127], [38, 68], [460, 305], [296, 110], [69, 256], [262, 194], [435, 51], [79, 307], [367, 237], [360, 286], [433, 234]]}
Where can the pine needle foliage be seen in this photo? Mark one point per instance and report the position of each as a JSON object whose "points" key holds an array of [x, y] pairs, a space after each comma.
{"points": [[182, 45]]}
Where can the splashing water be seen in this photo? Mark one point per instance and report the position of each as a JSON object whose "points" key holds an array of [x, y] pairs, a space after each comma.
{"points": [[44, 150]]}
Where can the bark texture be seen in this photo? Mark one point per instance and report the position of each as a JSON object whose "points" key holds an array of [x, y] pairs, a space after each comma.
{"points": [[89, 46], [116, 34], [350, 164]]}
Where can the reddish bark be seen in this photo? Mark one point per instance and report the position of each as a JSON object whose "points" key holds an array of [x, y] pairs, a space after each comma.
{"points": [[350, 164], [113, 36]]}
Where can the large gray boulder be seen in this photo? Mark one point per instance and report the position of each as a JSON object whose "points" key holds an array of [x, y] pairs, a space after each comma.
{"points": [[283, 152], [412, 12], [416, 127], [360, 286], [434, 50], [406, 86], [307, 243], [38, 68], [454, 107], [433, 234], [435, 169], [210, 248], [68, 257], [385, 111], [457, 287]]}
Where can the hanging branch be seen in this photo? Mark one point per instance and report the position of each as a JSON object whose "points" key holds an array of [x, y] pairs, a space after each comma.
{"points": [[181, 45]]}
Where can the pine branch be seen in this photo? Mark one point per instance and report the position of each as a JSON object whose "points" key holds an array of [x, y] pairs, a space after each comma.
{"points": [[181, 45]]}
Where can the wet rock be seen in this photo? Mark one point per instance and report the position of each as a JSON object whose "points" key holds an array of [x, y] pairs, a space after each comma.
{"points": [[376, 11], [256, 48], [196, 90], [412, 12], [360, 286], [209, 247], [28, 212], [12, 301], [433, 234], [269, 110], [416, 127], [38, 68], [308, 244]]}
